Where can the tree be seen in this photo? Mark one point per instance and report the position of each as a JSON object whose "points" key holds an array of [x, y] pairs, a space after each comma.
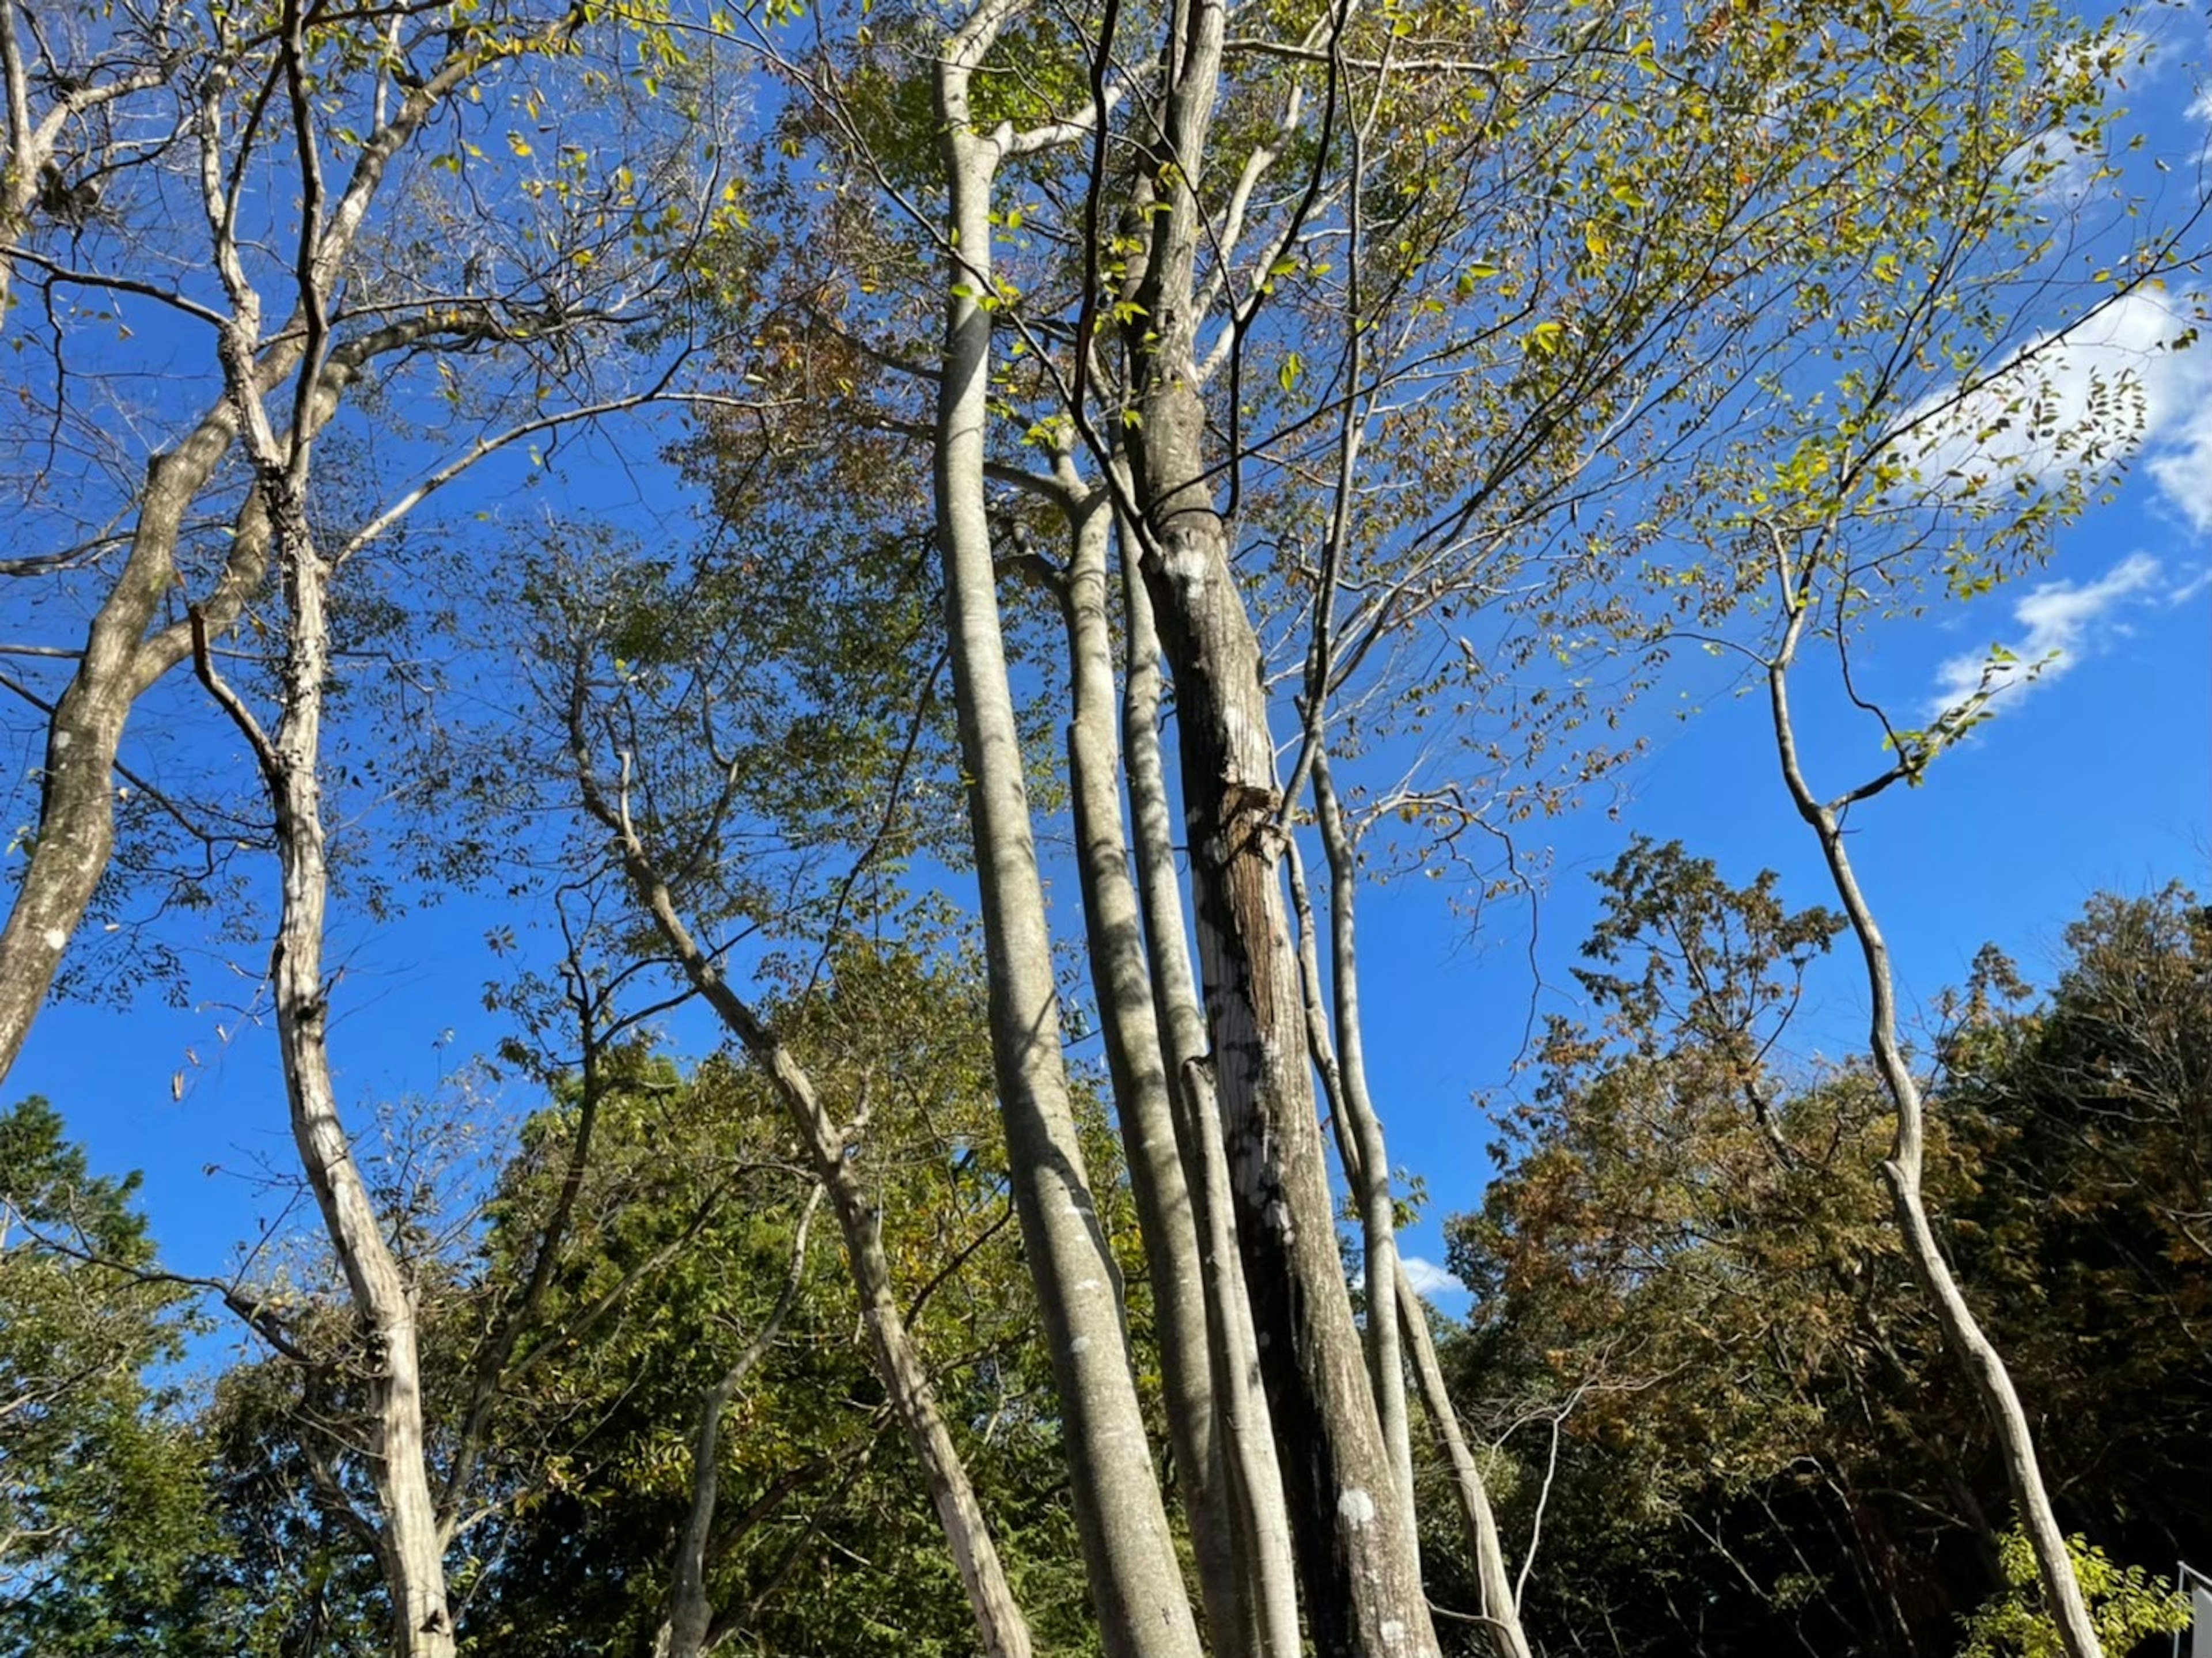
{"points": [[663, 856], [1364, 342], [2128, 1610], [483, 332], [1105, 309], [604, 1437], [333, 108], [103, 1503], [1941, 452], [1735, 1418]]}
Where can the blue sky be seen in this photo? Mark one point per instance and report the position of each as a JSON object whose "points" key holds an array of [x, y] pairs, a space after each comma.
{"points": [[2098, 775]]}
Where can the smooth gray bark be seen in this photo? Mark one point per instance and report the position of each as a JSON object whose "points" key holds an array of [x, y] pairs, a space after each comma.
{"points": [[1136, 1580], [1984, 1366], [1143, 1098], [1500, 1609], [1378, 1214]]}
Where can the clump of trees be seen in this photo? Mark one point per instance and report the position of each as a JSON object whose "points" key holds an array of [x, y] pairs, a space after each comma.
{"points": [[1314, 384], [1712, 1409], [1740, 1421]]}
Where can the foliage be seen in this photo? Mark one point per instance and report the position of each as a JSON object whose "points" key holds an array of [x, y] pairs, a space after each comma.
{"points": [[103, 1502], [816, 1482], [1529, 332], [1687, 1270], [2129, 1609]]}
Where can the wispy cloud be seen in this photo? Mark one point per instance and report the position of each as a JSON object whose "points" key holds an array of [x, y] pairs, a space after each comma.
{"points": [[2057, 625], [2119, 381], [1429, 1279]]}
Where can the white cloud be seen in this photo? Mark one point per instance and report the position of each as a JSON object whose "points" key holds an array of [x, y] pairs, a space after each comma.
{"points": [[1429, 1279], [2115, 380], [2200, 107], [2189, 587], [2058, 623]]}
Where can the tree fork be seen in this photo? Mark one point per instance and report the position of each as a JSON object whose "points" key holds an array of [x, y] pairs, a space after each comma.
{"points": [[1984, 1366]]}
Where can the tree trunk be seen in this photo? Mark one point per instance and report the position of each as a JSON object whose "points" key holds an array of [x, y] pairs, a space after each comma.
{"points": [[1143, 1102], [1356, 1547], [1003, 1631], [1355, 1541], [76, 790], [1500, 1609], [412, 1552], [1136, 1581], [1378, 1213], [1984, 1365], [1255, 1475], [1359, 1146]]}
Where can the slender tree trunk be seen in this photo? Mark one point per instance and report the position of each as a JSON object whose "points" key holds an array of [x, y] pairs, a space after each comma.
{"points": [[1142, 1094], [1359, 1146], [1255, 1475], [1378, 1214], [1984, 1366], [1136, 1580], [1003, 1631], [76, 790], [1500, 1609], [409, 1540], [1356, 1542]]}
